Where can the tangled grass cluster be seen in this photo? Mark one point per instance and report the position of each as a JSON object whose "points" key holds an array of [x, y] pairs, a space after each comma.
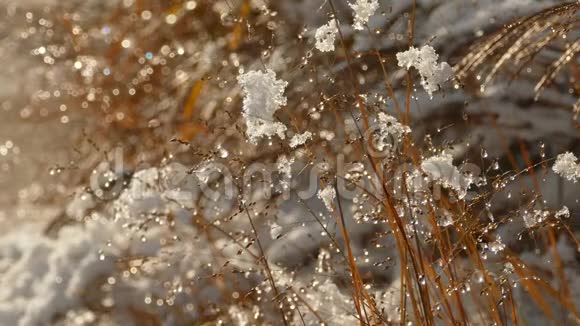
{"points": [[253, 162]]}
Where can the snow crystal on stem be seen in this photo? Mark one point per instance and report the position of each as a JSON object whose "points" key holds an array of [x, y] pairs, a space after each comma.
{"points": [[300, 139], [275, 230], [363, 10], [325, 36], [496, 246], [328, 194], [440, 169], [567, 167], [263, 95], [425, 61]]}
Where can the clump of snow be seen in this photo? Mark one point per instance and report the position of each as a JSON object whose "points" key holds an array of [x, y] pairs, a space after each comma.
{"points": [[275, 229], [263, 96], [415, 182], [538, 216], [300, 139], [446, 219], [535, 217], [355, 172], [325, 36], [328, 194], [564, 212], [440, 169], [284, 166], [567, 167], [393, 126], [363, 10], [390, 132], [424, 60]]}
